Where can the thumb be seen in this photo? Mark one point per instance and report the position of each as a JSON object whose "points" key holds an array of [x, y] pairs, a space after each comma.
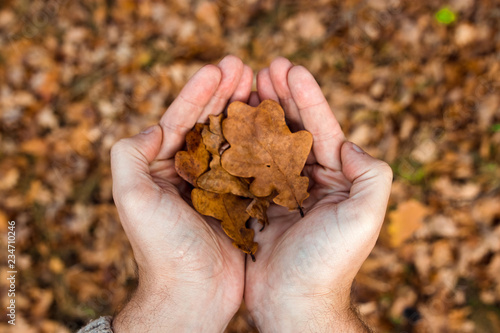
{"points": [[371, 181], [130, 159]]}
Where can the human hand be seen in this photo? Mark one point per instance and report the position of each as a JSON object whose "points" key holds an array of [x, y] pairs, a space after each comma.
{"points": [[185, 261], [302, 278]]}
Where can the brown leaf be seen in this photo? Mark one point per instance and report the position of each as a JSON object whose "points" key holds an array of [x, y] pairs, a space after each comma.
{"points": [[263, 147], [405, 220], [258, 209], [218, 180], [230, 209], [212, 135], [192, 163], [36, 147]]}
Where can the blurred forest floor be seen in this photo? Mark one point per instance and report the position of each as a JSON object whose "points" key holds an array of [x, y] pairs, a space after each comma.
{"points": [[415, 83]]}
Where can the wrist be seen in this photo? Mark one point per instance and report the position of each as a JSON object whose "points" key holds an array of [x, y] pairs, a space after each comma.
{"points": [[171, 311], [308, 314]]}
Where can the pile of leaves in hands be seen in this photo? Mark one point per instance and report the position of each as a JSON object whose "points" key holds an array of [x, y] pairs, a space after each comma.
{"points": [[240, 164]]}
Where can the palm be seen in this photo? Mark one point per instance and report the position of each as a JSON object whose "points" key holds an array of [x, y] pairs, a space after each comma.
{"points": [[177, 247], [292, 250], [204, 255], [300, 256]]}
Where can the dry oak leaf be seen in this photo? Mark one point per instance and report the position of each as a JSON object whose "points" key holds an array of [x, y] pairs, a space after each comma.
{"points": [[231, 210], [192, 163], [218, 180], [262, 147], [212, 135], [405, 220], [258, 209]]}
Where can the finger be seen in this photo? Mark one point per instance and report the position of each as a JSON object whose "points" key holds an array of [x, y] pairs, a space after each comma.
{"points": [[186, 109], [265, 87], [231, 68], [278, 71], [130, 159], [242, 92], [371, 185], [317, 117], [254, 99]]}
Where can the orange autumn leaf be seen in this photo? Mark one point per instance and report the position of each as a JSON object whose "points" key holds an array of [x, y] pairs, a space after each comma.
{"points": [[212, 135], [405, 220], [263, 147], [218, 180], [192, 163], [231, 210], [263, 164], [258, 209]]}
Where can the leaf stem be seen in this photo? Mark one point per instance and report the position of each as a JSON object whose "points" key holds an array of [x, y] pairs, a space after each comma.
{"points": [[301, 212]]}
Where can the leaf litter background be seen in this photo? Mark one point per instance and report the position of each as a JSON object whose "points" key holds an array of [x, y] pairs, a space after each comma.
{"points": [[76, 76]]}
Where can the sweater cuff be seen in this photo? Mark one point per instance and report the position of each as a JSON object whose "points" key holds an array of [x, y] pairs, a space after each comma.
{"points": [[101, 325]]}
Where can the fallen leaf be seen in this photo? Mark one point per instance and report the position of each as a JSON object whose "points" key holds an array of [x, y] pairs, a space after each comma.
{"points": [[263, 147], [231, 210], [212, 135], [405, 220], [35, 147], [455, 191], [465, 34], [192, 163], [41, 300], [486, 210], [9, 179], [258, 209], [218, 180]]}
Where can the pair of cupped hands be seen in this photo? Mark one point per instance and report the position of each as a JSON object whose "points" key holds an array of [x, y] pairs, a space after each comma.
{"points": [[191, 278]]}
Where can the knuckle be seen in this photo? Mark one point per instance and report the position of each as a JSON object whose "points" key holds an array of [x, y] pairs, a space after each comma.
{"points": [[175, 127], [119, 148], [385, 170]]}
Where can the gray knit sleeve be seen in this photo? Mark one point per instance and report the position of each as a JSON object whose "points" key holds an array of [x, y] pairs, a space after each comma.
{"points": [[101, 325]]}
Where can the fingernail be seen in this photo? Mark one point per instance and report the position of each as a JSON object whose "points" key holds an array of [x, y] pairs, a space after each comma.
{"points": [[356, 148], [148, 130]]}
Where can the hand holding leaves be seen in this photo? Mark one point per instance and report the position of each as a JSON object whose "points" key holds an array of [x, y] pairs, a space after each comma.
{"points": [[184, 259], [306, 266], [263, 149]]}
